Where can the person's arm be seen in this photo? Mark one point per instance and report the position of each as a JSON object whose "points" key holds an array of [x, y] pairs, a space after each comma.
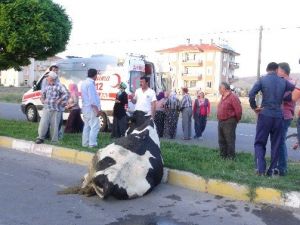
{"points": [[64, 95], [208, 107], [153, 104], [134, 97], [153, 108], [236, 104], [92, 94], [43, 96], [252, 94], [194, 108]]}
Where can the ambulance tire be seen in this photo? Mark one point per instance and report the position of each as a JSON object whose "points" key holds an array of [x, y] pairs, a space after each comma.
{"points": [[103, 122], [31, 113]]}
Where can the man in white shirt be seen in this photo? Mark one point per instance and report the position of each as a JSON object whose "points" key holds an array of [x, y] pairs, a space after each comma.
{"points": [[145, 98], [91, 110]]}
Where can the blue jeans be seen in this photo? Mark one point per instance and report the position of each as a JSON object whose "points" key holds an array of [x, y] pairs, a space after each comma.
{"points": [[90, 130], [282, 161]]}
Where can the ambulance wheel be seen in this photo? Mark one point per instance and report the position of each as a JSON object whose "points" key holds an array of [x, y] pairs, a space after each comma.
{"points": [[103, 122], [31, 113]]}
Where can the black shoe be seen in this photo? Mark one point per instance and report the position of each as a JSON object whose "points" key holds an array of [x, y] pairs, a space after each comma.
{"points": [[39, 141]]}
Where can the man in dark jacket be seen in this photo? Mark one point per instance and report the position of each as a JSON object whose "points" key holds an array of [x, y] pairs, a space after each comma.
{"points": [[270, 116]]}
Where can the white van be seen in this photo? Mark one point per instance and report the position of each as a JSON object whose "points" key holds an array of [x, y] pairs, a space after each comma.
{"points": [[112, 71]]}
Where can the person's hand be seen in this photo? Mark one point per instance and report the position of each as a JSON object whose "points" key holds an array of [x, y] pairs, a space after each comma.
{"points": [[117, 101], [257, 110]]}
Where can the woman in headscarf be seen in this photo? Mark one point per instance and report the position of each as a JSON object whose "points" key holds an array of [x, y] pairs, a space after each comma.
{"points": [[171, 115], [120, 123], [160, 114], [74, 122]]}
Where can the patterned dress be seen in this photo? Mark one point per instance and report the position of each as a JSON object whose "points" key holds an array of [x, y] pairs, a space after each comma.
{"points": [[171, 117]]}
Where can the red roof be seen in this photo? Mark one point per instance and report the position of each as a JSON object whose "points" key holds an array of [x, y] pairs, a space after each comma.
{"points": [[195, 48], [182, 48]]}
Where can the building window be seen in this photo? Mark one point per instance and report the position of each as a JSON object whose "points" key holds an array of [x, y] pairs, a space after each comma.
{"points": [[208, 71], [208, 84], [193, 83], [224, 57], [186, 70], [224, 71]]}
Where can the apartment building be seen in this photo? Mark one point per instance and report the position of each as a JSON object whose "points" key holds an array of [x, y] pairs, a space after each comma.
{"points": [[197, 66]]}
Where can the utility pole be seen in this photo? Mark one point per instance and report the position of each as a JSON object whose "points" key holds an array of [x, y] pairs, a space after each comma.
{"points": [[259, 52]]}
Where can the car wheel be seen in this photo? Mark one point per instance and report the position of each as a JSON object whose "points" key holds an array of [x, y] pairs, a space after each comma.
{"points": [[103, 122], [31, 113]]}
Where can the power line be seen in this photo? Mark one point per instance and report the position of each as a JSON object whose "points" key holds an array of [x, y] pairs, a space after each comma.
{"points": [[109, 41]]}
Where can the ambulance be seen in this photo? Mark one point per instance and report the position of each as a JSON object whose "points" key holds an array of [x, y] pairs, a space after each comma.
{"points": [[112, 70]]}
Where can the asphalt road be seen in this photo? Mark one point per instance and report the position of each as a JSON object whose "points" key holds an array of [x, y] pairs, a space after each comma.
{"points": [[244, 140], [29, 184]]}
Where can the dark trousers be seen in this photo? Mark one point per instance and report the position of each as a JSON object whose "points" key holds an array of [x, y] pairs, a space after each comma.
{"points": [[226, 133], [266, 126], [200, 124], [283, 156], [119, 127]]}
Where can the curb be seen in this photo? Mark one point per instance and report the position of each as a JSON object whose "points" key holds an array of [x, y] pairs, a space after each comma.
{"points": [[174, 177]]}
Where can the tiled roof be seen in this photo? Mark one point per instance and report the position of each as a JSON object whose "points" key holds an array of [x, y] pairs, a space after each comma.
{"points": [[197, 48], [182, 48]]}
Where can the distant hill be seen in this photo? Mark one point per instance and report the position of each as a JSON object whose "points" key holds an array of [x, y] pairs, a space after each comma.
{"points": [[247, 82]]}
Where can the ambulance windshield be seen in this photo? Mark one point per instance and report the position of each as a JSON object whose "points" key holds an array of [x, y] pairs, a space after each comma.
{"points": [[135, 80]]}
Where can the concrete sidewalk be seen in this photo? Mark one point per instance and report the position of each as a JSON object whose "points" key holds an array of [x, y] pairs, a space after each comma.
{"points": [[171, 176]]}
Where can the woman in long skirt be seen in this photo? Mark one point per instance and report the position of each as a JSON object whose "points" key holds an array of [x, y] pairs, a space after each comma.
{"points": [[74, 122], [160, 114], [171, 116]]}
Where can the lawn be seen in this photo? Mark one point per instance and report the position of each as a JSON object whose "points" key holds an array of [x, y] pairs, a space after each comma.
{"points": [[12, 94], [196, 159]]}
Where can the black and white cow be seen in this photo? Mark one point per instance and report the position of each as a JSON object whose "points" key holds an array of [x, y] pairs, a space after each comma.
{"points": [[128, 168]]}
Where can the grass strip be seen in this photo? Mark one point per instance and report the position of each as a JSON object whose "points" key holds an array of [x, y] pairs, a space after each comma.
{"points": [[199, 160]]}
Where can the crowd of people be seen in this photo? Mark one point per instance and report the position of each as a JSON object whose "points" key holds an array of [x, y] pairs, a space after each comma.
{"points": [[274, 115]]}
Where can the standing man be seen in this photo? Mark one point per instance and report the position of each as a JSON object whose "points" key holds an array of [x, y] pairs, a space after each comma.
{"points": [[144, 100], [270, 117], [229, 113], [54, 97], [288, 115], [91, 110]]}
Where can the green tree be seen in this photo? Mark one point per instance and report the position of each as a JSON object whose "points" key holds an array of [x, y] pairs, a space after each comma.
{"points": [[31, 29]]}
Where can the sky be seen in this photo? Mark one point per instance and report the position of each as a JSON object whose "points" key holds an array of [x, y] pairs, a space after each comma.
{"points": [[139, 26]]}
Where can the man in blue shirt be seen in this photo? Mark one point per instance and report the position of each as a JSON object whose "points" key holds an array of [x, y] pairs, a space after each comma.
{"points": [[270, 116], [91, 110]]}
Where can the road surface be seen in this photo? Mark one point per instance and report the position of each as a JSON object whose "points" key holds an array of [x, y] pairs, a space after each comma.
{"points": [[244, 140], [29, 184]]}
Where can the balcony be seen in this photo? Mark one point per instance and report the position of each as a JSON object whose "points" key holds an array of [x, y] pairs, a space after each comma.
{"points": [[189, 76], [234, 65], [189, 62]]}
